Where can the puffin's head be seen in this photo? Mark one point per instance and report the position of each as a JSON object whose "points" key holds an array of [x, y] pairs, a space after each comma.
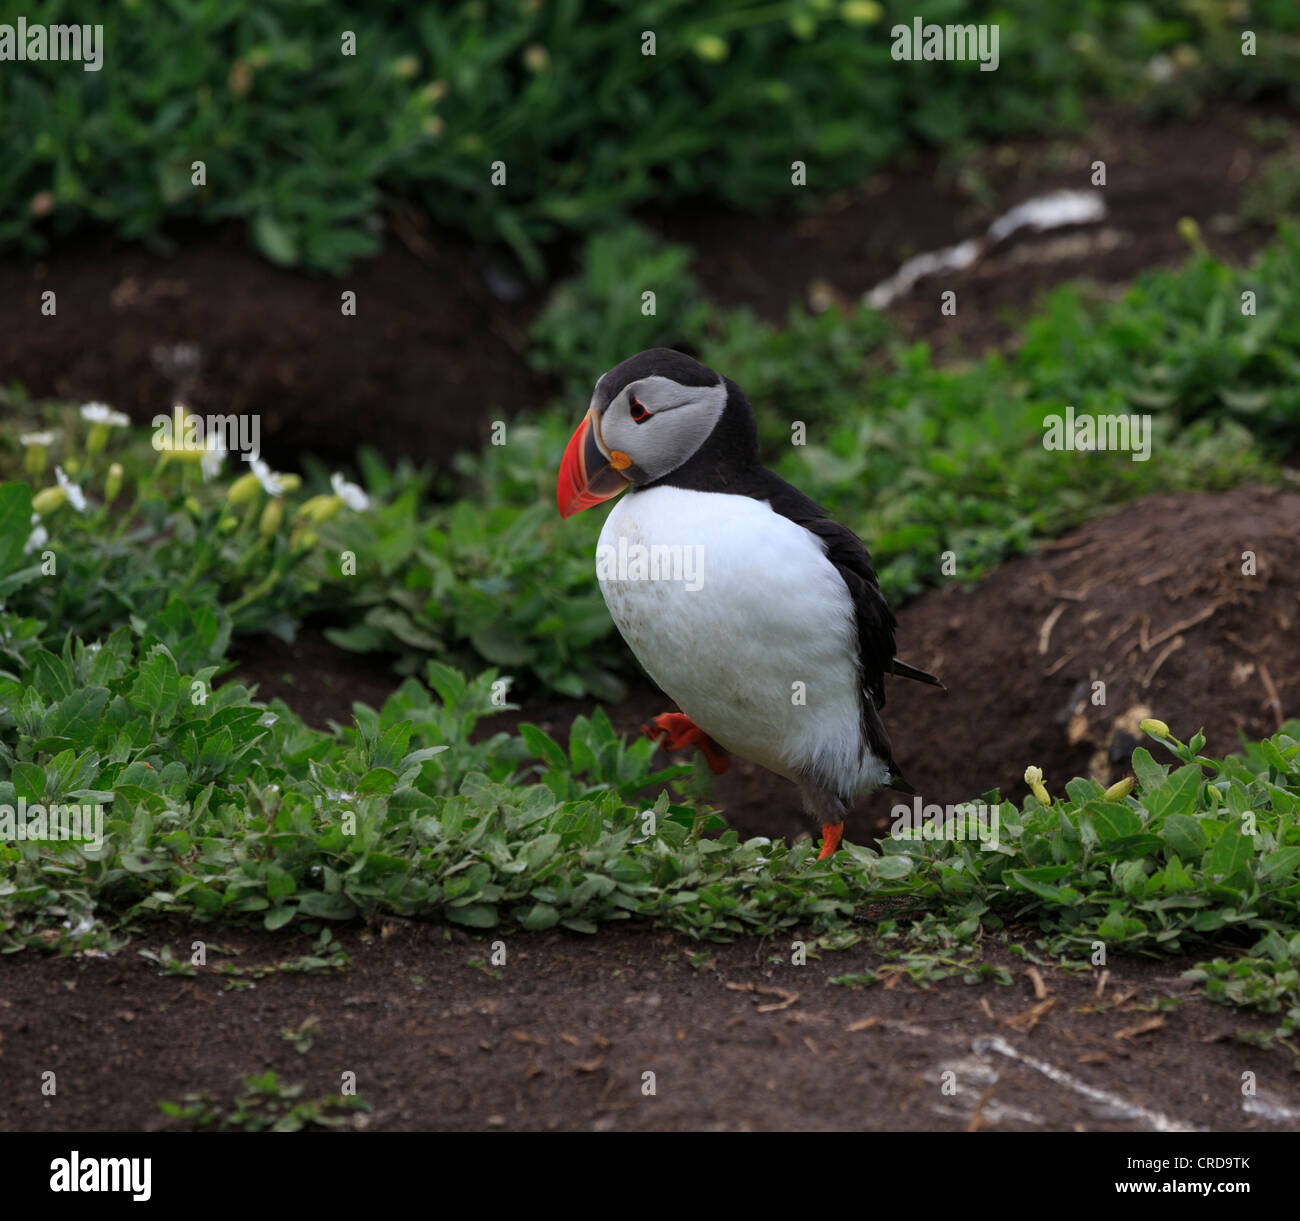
{"points": [[647, 417]]}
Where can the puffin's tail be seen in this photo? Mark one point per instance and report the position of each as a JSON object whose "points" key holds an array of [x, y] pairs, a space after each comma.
{"points": [[903, 670]]}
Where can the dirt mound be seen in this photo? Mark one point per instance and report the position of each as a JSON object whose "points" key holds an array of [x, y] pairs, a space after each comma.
{"points": [[1160, 172], [430, 357], [1186, 608]]}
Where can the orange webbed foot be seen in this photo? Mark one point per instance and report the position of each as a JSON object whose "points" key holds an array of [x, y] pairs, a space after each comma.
{"points": [[831, 834], [676, 731]]}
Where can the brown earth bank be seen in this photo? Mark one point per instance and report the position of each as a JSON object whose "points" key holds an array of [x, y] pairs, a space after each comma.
{"points": [[1156, 174], [562, 1035], [437, 349], [1150, 601]]}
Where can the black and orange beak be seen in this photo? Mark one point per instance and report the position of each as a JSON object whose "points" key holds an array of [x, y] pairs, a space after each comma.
{"points": [[588, 472]]}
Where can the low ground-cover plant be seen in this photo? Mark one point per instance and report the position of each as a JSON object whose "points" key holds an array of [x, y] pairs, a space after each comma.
{"points": [[216, 808], [264, 1105], [104, 530], [1207, 340]]}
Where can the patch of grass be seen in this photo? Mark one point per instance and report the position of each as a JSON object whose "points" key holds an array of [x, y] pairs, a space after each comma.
{"points": [[265, 1106], [301, 1036]]}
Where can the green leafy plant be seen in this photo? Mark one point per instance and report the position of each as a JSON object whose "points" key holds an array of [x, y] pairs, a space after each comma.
{"points": [[310, 123], [265, 1106]]}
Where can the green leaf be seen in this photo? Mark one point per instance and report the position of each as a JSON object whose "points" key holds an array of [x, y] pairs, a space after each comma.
{"points": [[274, 240], [15, 524], [76, 718], [1176, 795], [1232, 851], [893, 867], [1280, 865], [157, 687], [1185, 836], [1149, 773], [476, 915], [1114, 821], [540, 916], [543, 746], [328, 906]]}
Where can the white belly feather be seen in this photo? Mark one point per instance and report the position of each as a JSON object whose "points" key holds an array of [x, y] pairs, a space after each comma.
{"points": [[759, 646]]}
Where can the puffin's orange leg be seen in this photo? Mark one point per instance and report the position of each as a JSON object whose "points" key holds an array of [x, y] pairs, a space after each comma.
{"points": [[831, 832], [678, 732]]}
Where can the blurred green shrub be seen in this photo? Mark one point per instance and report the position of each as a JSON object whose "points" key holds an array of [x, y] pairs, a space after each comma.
{"points": [[306, 145]]}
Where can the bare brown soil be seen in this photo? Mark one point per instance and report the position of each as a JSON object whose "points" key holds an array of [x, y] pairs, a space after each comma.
{"points": [[1156, 174], [563, 1035]]}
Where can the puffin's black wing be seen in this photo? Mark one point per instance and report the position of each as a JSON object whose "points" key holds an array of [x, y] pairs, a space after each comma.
{"points": [[875, 621]]}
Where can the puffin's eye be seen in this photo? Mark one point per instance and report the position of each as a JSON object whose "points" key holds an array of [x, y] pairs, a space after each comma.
{"points": [[638, 413]]}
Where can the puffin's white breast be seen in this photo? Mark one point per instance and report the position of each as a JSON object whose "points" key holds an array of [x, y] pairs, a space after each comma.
{"points": [[738, 615]]}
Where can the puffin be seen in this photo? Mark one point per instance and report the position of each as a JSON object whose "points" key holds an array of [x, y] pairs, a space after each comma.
{"points": [[753, 610]]}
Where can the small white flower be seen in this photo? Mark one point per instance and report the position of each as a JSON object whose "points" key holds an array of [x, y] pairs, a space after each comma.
{"points": [[38, 438], [349, 493], [38, 537], [270, 481], [76, 497], [214, 454], [102, 413], [1161, 68]]}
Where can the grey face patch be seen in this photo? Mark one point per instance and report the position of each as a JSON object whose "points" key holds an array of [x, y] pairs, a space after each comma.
{"points": [[653, 362], [675, 420]]}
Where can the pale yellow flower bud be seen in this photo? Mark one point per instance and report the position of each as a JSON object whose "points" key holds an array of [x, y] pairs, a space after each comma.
{"points": [[320, 508], [272, 517], [861, 12], [243, 489], [47, 500], [1120, 790], [711, 48], [1034, 778]]}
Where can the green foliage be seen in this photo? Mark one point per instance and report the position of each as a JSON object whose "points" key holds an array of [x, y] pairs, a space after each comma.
{"points": [[265, 1106], [1274, 193], [492, 575], [597, 318], [1180, 345], [919, 459], [171, 549], [224, 810], [306, 145]]}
